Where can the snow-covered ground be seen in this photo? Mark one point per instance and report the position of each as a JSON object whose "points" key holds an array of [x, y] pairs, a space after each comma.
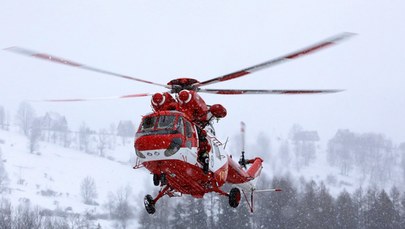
{"points": [[52, 176]]}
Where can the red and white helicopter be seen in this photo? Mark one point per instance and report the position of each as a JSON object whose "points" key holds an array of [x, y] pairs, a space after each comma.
{"points": [[177, 143]]}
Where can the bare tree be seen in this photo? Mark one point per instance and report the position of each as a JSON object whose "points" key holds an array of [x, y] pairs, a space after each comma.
{"points": [[25, 116], [102, 142], [34, 134], [402, 154], [25, 217], [120, 207], [84, 137], [3, 176], [284, 154], [125, 129], [5, 214], [88, 190], [2, 118]]}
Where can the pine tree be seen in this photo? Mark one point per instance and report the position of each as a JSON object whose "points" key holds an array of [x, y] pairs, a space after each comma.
{"points": [[178, 220], [281, 205], [262, 205], [369, 204], [385, 210], [145, 220], [307, 206], [345, 211], [359, 206], [395, 196], [227, 216], [325, 215]]}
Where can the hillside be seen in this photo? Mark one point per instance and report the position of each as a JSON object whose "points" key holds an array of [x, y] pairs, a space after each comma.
{"points": [[51, 177]]}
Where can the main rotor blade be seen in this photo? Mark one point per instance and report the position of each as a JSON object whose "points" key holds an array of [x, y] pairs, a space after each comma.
{"points": [[94, 99], [288, 92], [44, 56], [315, 47]]}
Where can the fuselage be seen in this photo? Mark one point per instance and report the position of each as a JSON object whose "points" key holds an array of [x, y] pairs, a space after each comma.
{"points": [[167, 143]]}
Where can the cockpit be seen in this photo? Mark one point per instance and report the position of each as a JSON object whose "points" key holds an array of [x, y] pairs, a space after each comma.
{"points": [[165, 130], [162, 123]]}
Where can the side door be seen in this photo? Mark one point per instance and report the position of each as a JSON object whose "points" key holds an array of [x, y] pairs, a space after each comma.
{"points": [[190, 135]]}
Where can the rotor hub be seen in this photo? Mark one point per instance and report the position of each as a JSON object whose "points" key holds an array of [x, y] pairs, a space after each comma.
{"points": [[183, 84]]}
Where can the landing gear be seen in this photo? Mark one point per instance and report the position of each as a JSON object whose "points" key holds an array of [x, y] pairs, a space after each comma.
{"points": [[159, 179], [149, 204], [163, 179], [234, 197], [156, 179]]}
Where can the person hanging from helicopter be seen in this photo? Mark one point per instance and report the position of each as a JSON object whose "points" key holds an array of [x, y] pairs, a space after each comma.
{"points": [[203, 149]]}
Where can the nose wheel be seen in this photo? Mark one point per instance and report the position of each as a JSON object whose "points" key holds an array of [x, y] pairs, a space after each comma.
{"points": [[234, 197]]}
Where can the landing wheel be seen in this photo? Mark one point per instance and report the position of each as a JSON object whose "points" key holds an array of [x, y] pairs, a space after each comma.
{"points": [[163, 179], [149, 204], [234, 197], [156, 179]]}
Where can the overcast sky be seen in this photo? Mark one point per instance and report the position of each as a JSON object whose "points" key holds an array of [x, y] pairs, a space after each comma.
{"points": [[162, 40]]}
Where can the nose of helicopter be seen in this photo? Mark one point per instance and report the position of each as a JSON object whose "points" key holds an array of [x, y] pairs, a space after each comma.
{"points": [[150, 145], [152, 142]]}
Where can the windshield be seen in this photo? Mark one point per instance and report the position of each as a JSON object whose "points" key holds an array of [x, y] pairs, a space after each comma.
{"points": [[166, 122], [148, 123]]}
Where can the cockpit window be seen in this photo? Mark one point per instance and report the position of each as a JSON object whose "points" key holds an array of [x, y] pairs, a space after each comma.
{"points": [[148, 123], [179, 126], [166, 121], [189, 130]]}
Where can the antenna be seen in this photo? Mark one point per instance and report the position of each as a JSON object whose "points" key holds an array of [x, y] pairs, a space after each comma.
{"points": [[226, 142], [242, 160]]}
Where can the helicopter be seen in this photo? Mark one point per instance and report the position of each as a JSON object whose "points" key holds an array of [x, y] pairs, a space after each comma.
{"points": [[177, 143]]}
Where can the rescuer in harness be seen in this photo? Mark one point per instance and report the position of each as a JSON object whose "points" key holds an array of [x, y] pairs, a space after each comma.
{"points": [[203, 150]]}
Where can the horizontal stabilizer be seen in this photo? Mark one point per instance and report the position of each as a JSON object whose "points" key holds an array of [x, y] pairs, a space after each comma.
{"points": [[268, 190]]}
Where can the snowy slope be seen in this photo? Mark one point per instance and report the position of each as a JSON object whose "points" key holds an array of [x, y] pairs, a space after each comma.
{"points": [[60, 171]]}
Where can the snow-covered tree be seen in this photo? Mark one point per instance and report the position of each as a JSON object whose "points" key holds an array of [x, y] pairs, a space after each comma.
{"points": [[341, 151], [88, 190], [102, 143], [284, 154], [126, 129], [346, 211], [34, 134], [304, 145], [120, 207], [3, 175], [25, 116], [2, 118], [179, 217], [84, 138]]}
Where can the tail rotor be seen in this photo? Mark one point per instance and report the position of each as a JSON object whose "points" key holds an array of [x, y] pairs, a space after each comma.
{"points": [[242, 160]]}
